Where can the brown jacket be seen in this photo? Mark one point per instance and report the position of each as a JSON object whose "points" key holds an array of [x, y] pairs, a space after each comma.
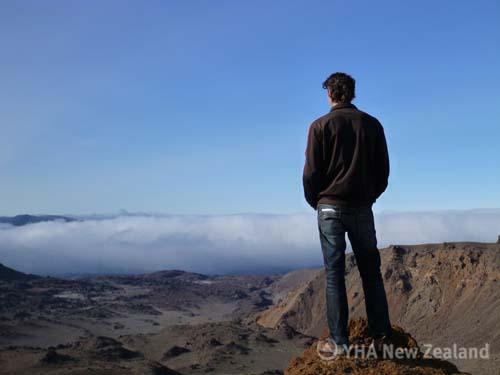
{"points": [[347, 162]]}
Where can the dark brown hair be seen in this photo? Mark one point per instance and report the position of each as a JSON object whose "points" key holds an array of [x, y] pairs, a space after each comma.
{"points": [[341, 87]]}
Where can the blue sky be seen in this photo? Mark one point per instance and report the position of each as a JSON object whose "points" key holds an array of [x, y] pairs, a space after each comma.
{"points": [[203, 106]]}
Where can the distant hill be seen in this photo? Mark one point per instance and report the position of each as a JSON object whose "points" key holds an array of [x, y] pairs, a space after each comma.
{"points": [[9, 275], [20, 220]]}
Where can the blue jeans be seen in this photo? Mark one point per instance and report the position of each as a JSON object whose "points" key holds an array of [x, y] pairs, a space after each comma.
{"points": [[333, 223]]}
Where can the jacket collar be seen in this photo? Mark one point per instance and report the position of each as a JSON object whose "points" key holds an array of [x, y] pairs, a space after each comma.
{"points": [[342, 105]]}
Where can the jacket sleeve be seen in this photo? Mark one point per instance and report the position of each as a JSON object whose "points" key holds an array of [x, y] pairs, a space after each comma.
{"points": [[382, 164], [312, 175]]}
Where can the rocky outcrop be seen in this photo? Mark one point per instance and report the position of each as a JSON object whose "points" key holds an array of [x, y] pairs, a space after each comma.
{"points": [[364, 360], [174, 351], [53, 357], [106, 349]]}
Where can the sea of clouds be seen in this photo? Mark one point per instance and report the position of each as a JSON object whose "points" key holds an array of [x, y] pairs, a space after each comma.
{"points": [[245, 243]]}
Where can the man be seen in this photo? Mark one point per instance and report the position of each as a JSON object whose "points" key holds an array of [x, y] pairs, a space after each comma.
{"points": [[346, 170]]}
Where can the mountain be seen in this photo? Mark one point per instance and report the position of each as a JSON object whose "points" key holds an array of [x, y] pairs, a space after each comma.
{"points": [[20, 220], [441, 293], [9, 275]]}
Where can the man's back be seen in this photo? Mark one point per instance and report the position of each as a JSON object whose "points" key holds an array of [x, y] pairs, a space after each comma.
{"points": [[346, 158]]}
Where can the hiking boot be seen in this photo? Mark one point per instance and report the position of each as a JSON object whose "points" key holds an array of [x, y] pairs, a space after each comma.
{"points": [[380, 341]]}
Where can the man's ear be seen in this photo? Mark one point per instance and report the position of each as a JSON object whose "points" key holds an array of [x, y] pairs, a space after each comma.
{"points": [[330, 94], [330, 97]]}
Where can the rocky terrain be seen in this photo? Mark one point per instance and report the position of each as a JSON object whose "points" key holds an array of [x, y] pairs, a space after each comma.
{"points": [[441, 293], [151, 322], [172, 321], [48, 311], [91, 355]]}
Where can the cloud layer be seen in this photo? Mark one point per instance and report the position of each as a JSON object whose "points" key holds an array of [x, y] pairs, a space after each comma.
{"points": [[243, 243]]}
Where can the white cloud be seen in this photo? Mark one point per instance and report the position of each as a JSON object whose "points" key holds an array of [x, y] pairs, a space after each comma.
{"points": [[213, 244]]}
